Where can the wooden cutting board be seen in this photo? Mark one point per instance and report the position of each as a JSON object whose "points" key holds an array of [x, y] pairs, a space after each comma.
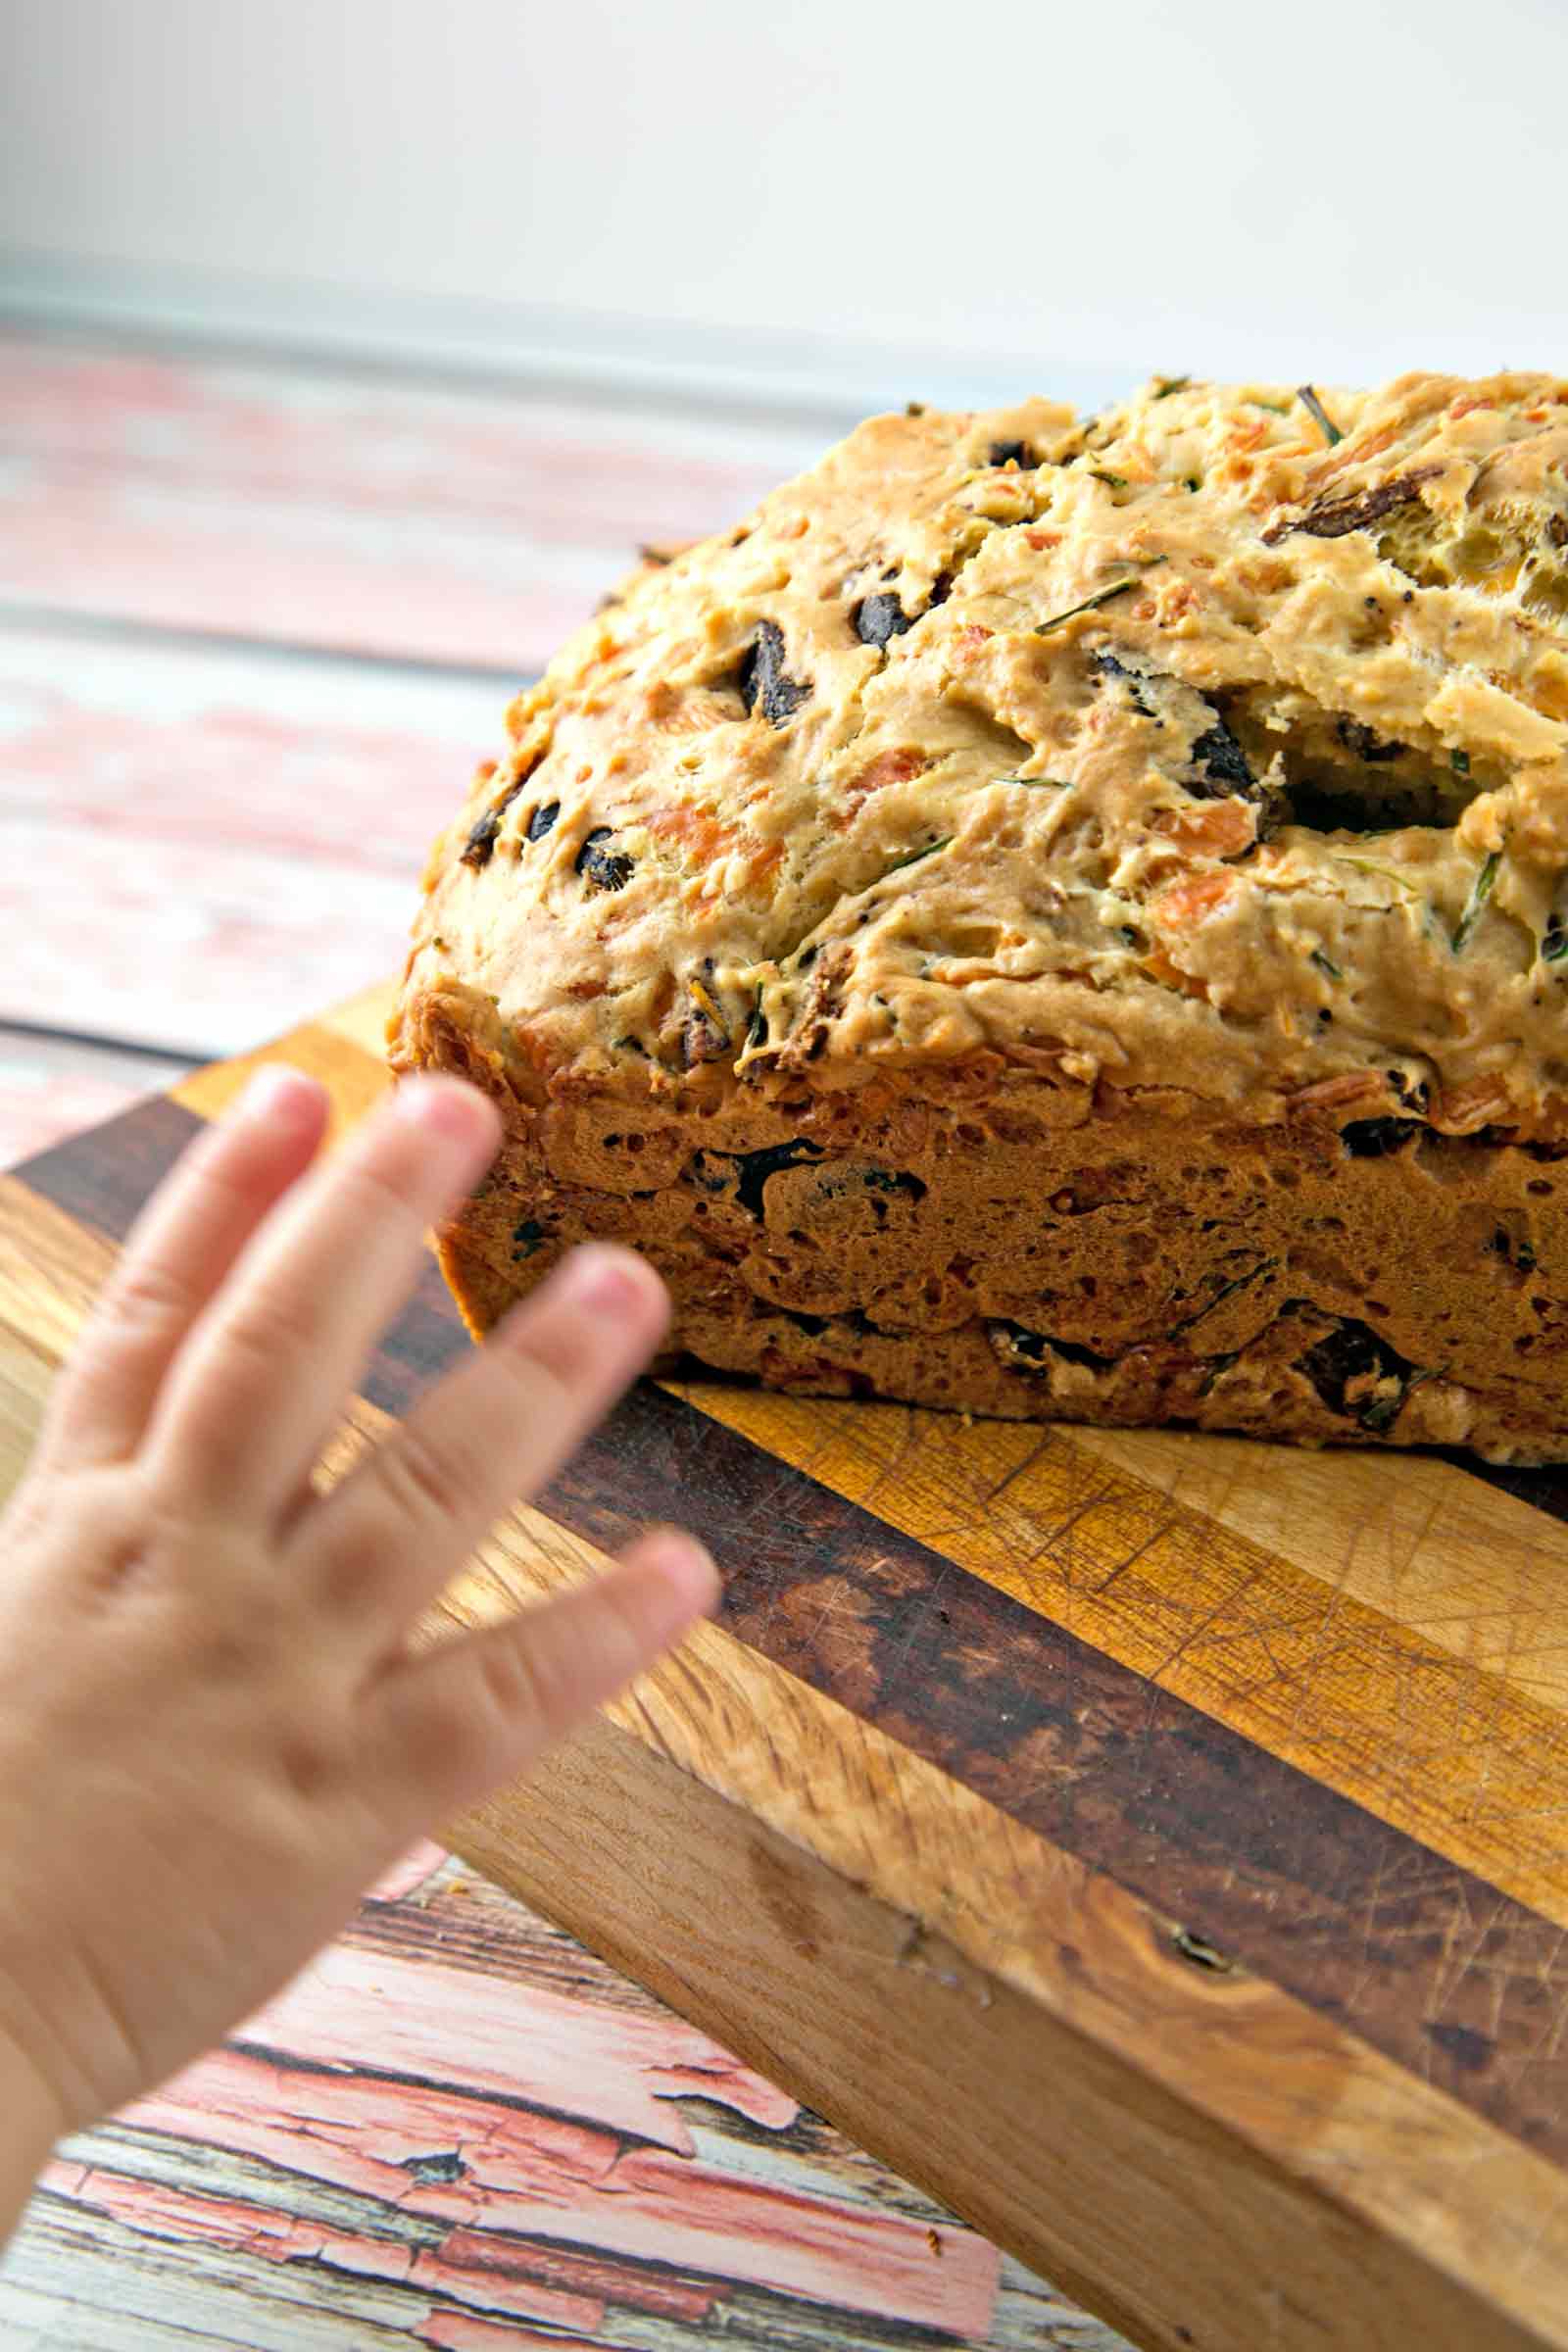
{"points": [[1156, 1845]]}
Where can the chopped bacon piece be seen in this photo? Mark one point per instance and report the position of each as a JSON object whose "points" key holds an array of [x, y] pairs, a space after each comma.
{"points": [[888, 768], [1218, 830], [703, 835], [1161, 967]]}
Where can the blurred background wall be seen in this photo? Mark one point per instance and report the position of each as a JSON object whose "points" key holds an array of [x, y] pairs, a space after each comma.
{"points": [[820, 201]]}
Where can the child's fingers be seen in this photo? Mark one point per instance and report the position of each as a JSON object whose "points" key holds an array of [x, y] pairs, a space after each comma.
{"points": [[264, 1376], [409, 1515], [179, 1252], [456, 1722]]}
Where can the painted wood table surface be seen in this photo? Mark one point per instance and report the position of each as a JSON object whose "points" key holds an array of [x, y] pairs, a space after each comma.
{"points": [[257, 623]]}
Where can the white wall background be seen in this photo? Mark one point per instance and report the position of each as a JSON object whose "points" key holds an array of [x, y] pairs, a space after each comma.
{"points": [[828, 193]]}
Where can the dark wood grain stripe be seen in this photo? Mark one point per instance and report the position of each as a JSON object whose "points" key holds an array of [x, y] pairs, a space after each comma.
{"points": [[1274, 1872], [103, 1177]]}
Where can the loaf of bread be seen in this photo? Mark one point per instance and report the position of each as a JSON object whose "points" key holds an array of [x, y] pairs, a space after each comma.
{"points": [[1060, 918]]}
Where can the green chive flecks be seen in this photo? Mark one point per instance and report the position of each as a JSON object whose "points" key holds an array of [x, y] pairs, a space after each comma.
{"points": [[1481, 889], [1326, 963], [913, 858], [1101, 595], [1459, 762], [1385, 873], [1165, 385], [1554, 946], [1117, 482], [1318, 413]]}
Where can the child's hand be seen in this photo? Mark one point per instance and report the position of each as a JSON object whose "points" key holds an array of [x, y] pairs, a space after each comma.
{"points": [[213, 1732]]}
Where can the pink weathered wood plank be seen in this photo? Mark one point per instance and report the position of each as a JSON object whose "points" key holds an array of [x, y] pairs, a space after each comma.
{"points": [[462, 2331], [341, 509], [201, 953], [655, 2209], [276, 2236], [461, 595], [534, 2175], [483, 2268], [80, 2281], [469, 2258], [216, 748], [50, 1088], [597, 471], [205, 847], [481, 2033], [509, 2115], [464, 2203], [435, 2149]]}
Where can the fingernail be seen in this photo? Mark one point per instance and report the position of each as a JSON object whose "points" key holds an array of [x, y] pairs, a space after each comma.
{"points": [[607, 1282], [445, 1106], [279, 1096]]}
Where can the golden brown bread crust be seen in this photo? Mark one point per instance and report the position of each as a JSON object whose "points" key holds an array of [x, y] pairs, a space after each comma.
{"points": [[1111, 873]]}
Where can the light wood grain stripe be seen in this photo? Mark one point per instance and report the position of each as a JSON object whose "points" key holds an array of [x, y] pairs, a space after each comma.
{"points": [[1468, 1756]]}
